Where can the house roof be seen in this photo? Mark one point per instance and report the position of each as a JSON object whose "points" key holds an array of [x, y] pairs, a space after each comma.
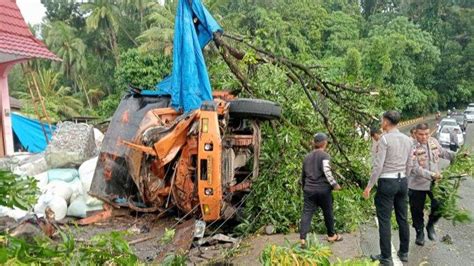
{"points": [[16, 39]]}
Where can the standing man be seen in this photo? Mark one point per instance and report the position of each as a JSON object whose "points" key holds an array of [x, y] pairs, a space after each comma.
{"points": [[318, 182], [389, 172], [412, 134], [423, 171], [454, 140], [375, 134]]}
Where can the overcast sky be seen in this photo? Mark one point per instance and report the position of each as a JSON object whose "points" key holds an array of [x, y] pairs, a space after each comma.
{"points": [[32, 10]]}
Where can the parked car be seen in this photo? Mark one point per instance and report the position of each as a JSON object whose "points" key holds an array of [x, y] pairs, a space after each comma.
{"points": [[469, 116], [444, 135], [445, 122], [470, 107], [460, 120]]}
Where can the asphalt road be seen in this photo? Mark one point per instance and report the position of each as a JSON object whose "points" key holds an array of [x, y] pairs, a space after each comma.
{"points": [[460, 252]]}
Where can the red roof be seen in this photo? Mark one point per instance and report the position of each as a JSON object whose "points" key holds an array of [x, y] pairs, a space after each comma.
{"points": [[15, 36]]}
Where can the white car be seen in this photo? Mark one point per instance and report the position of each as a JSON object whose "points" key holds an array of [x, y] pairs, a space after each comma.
{"points": [[469, 115], [446, 122], [444, 137]]}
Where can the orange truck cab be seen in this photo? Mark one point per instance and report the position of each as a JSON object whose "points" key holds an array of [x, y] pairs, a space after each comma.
{"points": [[202, 163]]}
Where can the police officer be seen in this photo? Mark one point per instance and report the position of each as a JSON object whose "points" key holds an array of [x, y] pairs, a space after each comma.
{"points": [[423, 171], [389, 172]]}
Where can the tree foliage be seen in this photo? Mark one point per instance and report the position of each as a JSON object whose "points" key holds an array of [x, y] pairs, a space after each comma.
{"points": [[331, 64]]}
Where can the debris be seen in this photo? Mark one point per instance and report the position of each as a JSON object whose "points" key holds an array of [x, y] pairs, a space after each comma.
{"points": [[168, 236], [219, 238], [26, 231], [183, 238], [104, 215], [447, 239], [200, 229], [71, 145], [269, 229], [134, 229]]}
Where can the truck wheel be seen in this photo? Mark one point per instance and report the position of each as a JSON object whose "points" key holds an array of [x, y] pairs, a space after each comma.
{"points": [[254, 108]]}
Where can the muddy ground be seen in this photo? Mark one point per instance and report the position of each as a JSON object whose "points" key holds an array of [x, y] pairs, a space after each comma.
{"points": [[246, 252]]}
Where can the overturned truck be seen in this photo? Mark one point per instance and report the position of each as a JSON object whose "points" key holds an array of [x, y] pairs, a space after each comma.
{"points": [[203, 162]]}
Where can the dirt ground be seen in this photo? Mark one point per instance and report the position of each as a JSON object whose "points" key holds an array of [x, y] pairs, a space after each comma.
{"points": [[136, 228], [246, 253], [151, 228]]}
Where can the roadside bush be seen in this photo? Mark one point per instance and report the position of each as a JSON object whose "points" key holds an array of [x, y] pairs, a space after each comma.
{"points": [[314, 254], [16, 191], [143, 70], [446, 190], [103, 249]]}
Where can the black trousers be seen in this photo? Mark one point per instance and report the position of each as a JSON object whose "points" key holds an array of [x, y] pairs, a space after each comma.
{"points": [[313, 200], [392, 193], [417, 205]]}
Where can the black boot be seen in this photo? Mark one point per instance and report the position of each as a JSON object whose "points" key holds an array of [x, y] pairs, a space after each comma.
{"points": [[431, 231], [383, 261], [403, 256], [420, 237]]}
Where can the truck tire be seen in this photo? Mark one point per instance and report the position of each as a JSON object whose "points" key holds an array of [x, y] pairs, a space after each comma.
{"points": [[254, 108]]}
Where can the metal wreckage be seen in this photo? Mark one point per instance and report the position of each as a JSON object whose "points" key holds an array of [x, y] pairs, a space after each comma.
{"points": [[182, 147], [202, 162]]}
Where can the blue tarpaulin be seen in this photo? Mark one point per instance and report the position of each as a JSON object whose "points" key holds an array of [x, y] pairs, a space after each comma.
{"points": [[189, 83], [30, 133]]}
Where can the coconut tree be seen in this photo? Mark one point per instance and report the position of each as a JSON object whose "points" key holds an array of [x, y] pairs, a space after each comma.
{"points": [[104, 16], [63, 40], [159, 36]]}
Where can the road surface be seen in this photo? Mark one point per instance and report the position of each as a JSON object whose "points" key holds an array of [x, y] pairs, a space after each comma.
{"points": [[460, 252]]}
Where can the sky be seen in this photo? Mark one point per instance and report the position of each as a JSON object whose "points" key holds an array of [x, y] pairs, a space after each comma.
{"points": [[32, 10]]}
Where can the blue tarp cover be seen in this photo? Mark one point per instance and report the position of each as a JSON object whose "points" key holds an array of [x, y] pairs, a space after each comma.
{"points": [[189, 83], [30, 133]]}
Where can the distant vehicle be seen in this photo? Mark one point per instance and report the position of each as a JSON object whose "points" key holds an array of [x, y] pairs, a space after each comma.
{"points": [[446, 122], [444, 135], [469, 115], [470, 105], [460, 120]]}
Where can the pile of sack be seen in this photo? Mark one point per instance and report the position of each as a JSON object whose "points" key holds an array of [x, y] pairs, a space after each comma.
{"points": [[64, 172]]}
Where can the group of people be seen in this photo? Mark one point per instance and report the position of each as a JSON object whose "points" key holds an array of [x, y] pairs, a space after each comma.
{"points": [[404, 170]]}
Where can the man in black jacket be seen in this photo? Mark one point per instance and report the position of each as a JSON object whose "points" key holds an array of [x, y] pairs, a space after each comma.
{"points": [[318, 182]]}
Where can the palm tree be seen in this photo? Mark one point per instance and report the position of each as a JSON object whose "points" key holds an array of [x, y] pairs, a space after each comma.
{"points": [[104, 16], [159, 36], [60, 103], [62, 39]]}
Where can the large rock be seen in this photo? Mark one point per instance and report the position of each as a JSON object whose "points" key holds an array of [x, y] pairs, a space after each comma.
{"points": [[71, 145]]}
